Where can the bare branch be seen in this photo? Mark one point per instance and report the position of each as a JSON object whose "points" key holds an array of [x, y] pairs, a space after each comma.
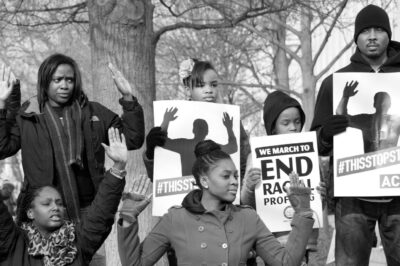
{"points": [[328, 34], [326, 69]]}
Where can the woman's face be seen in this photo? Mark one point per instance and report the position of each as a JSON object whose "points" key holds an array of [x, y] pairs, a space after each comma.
{"points": [[222, 180], [208, 89], [61, 86], [47, 211], [289, 121]]}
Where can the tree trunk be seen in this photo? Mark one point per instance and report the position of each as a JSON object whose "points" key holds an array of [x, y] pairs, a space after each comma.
{"points": [[280, 60], [121, 32], [307, 72]]}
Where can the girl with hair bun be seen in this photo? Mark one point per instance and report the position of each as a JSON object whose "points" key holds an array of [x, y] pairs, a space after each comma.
{"points": [[208, 229]]}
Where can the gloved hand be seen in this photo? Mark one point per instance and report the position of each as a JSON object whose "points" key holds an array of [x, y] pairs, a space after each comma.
{"points": [[299, 195], [156, 137], [135, 201], [252, 178], [13, 102], [332, 126]]}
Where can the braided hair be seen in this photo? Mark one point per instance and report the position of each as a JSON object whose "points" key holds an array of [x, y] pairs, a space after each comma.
{"points": [[208, 153], [25, 203]]}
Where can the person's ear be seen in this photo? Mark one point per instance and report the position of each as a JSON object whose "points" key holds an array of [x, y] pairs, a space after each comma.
{"points": [[204, 182], [29, 213]]}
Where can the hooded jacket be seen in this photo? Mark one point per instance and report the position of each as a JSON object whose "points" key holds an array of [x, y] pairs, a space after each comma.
{"points": [[201, 237], [275, 103], [323, 106]]}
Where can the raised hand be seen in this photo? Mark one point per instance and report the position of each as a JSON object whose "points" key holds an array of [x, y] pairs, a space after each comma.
{"points": [[117, 151], [227, 121], [7, 81], [120, 81], [252, 179], [170, 114], [299, 194], [350, 89], [136, 200]]}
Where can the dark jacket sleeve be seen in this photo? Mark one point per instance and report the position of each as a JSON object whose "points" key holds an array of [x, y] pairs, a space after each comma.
{"points": [[97, 223], [10, 141], [323, 110], [8, 231], [131, 122], [132, 253]]}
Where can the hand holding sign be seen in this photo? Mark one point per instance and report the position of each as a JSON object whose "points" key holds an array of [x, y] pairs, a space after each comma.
{"points": [[252, 179], [299, 195]]}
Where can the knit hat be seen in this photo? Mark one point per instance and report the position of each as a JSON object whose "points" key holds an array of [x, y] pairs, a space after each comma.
{"points": [[371, 16], [275, 103]]}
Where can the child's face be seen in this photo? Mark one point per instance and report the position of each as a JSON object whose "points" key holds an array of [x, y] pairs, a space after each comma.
{"points": [[289, 121], [206, 91]]}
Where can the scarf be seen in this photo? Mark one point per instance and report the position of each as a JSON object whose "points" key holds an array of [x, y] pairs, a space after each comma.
{"points": [[59, 249], [67, 142]]}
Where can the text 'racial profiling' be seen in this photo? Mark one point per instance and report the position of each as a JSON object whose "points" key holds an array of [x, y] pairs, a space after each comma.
{"points": [[279, 161]]}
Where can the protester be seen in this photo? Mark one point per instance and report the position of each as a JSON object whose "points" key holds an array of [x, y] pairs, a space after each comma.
{"points": [[60, 135], [355, 218], [209, 229], [202, 82], [42, 235], [282, 115]]}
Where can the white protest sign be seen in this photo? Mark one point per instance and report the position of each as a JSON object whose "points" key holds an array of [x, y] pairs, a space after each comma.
{"points": [[187, 123], [367, 156], [277, 156]]}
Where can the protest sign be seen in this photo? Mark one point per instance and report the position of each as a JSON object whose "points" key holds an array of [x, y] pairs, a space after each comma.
{"points": [[367, 156], [277, 156], [187, 123]]}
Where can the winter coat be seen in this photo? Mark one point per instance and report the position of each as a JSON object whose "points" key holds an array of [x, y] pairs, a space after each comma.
{"points": [[200, 237], [90, 234], [30, 134], [323, 106]]}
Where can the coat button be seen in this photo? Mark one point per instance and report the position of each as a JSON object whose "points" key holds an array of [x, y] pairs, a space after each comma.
{"points": [[201, 228], [224, 245], [203, 245]]}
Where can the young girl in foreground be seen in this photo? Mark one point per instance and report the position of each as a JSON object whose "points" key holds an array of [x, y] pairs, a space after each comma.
{"points": [[43, 237], [209, 229]]}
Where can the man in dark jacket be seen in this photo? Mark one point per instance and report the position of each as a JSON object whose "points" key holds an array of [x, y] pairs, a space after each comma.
{"points": [[355, 218]]}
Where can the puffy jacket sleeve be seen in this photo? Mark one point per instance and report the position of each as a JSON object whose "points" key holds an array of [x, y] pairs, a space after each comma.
{"points": [[131, 122], [323, 110], [273, 253], [132, 253], [97, 223], [10, 141], [8, 231]]}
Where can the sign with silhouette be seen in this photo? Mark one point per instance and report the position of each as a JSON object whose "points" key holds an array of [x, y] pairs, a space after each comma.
{"points": [[187, 123], [367, 154], [277, 156]]}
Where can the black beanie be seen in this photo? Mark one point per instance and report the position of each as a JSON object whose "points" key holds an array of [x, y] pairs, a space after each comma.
{"points": [[371, 16]]}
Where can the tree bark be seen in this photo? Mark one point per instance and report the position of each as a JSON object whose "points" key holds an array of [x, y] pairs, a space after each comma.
{"points": [[121, 32]]}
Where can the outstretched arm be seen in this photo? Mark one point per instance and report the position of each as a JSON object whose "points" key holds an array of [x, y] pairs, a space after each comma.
{"points": [[231, 147], [130, 250], [97, 224], [169, 115], [348, 91], [10, 142]]}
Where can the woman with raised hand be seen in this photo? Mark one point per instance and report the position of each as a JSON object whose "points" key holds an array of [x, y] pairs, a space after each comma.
{"points": [[208, 228], [43, 236], [60, 136]]}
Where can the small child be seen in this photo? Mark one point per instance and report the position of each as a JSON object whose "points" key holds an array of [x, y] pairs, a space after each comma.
{"points": [[282, 115]]}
